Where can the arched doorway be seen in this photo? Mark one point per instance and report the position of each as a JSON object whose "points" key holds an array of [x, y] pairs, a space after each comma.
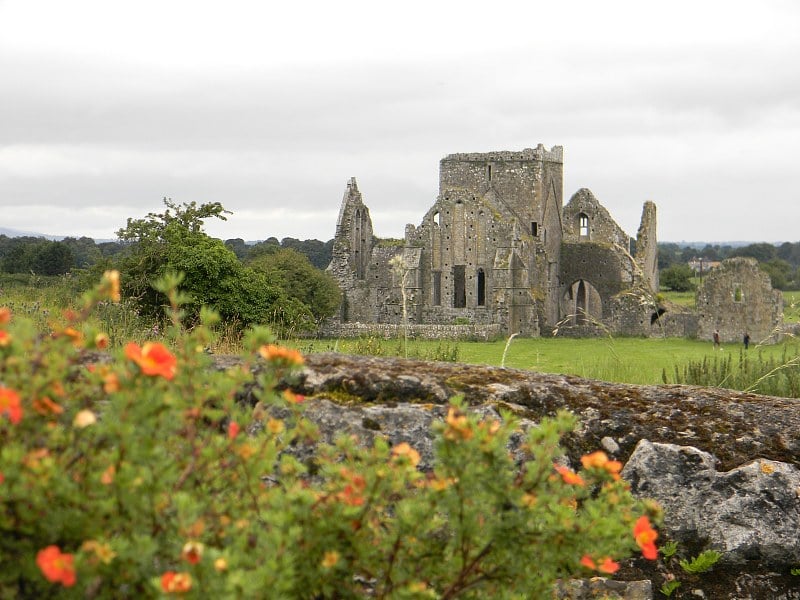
{"points": [[581, 304]]}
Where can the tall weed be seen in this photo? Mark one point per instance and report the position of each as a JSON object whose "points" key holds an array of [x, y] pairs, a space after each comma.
{"points": [[751, 372]]}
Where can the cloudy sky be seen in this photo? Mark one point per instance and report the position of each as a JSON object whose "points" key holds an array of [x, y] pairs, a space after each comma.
{"points": [[107, 106]]}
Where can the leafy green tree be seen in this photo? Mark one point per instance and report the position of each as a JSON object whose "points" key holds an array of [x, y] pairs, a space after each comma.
{"points": [[239, 247], [294, 273], [780, 273], [790, 253], [268, 246], [174, 241], [762, 252], [677, 278], [52, 258], [84, 250], [318, 253]]}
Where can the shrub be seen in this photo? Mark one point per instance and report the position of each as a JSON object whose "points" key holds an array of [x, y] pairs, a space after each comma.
{"points": [[142, 475]]}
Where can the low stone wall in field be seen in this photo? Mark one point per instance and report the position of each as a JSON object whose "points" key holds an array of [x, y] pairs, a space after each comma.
{"points": [[415, 331]]}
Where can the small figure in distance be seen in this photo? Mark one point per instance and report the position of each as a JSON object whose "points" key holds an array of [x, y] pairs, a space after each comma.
{"points": [[746, 340], [716, 339]]}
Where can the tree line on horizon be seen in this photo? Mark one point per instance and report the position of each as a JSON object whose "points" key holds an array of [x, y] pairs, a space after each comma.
{"points": [[271, 282], [38, 255]]}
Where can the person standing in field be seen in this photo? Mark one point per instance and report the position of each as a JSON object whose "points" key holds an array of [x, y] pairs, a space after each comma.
{"points": [[746, 340], [716, 339]]}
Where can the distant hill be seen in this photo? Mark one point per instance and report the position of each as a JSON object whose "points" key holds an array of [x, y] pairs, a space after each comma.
{"points": [[56, 238], [17, 233]]}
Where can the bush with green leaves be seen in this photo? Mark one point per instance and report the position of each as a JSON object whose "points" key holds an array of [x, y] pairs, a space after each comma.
{"points": [[677, 278], [174, 242], [142, 475]]}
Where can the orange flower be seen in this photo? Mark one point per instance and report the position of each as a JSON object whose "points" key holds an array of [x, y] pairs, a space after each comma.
{"points": [[221, 564], [330, 559], [645, 537], [606, 565], [110, 383], [45, 406], [192, 552], [153, 359], [275, 426], [98, 552], [5, 315], [458, 426], [5, 338], [56, 567], [233, 430], [569, 476], [280, 354], [176, 583], [293, 398], [101, 341], [403, 450], [352, 492], [75, 335], [109, 285], [599, 460], [107, 478], [10, 404]]}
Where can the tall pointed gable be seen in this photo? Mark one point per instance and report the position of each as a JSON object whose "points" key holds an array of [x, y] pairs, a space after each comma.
{"points": [[352, 245]]}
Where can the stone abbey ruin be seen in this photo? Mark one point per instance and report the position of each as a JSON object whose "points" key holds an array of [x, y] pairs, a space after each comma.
{"points": [[499, 253]]}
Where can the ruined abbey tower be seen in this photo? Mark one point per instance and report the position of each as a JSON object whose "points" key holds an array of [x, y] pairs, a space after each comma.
{"points": [[498, 249]]}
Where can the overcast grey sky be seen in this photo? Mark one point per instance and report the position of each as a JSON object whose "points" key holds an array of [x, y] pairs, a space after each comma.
{"points": [[107, 106]]}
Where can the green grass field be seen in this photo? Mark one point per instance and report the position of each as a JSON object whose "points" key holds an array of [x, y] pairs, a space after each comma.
{"points": [[624, 360]]}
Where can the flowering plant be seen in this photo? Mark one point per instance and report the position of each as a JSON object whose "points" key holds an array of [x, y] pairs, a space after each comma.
{"points": [[142, 475]]}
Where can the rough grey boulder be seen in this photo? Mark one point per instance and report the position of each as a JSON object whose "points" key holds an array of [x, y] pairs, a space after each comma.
{"points": [[715, 486], [735, 427], [750, 513]]}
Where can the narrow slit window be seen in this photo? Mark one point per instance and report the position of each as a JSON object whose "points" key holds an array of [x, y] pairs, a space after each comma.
{"points": [[459, 286], [583, 225], [481, 288]]}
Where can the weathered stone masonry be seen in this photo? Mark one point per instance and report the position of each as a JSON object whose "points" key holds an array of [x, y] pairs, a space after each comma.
{"points": [[498, 248]]}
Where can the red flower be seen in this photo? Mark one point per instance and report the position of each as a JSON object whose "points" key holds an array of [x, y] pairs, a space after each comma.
{"points": [[55, 566], [153, 359], [233, 430], [606, 565], [176, 583], [10, 404], [192, 552], [569, 476], [645, 537], [352, 494], [293, 398]]}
